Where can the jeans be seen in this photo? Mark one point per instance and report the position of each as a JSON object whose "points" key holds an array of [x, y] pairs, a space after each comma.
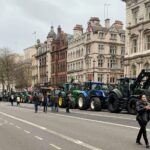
{"points": [[45, 108], [36, 107], [142, 131]]}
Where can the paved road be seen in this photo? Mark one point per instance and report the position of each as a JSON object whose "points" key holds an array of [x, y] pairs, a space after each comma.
{"points": [[22, 129]]}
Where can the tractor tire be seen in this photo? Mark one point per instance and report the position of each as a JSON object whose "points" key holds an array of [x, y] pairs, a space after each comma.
{"points": [[132, 106], [82, 103], [95, 104], [113, 103]]}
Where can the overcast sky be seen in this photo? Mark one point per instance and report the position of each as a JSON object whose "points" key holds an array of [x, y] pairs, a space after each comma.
{"points": [[19, 19]]}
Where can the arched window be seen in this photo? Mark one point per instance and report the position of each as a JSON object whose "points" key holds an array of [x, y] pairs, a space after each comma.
{"points": [[100, 62]]}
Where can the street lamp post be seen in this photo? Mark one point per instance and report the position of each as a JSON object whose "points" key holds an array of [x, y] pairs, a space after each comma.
{"points": [[93, 68]]}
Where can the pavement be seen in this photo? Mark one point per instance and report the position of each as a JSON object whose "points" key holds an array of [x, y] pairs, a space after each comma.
{"points": [[22, 129]]}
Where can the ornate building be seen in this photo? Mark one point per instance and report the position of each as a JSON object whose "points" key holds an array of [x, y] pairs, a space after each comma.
{"points": [[137, 55], [59, 58], [43, 58], [98, 53]]}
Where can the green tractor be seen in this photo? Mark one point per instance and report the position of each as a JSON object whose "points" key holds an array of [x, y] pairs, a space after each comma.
{"points": [[127, 92], [74, 88]]}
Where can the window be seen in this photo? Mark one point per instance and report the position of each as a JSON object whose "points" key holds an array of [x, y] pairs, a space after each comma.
{"points": [[113, 49], [134, 46], [122, 50], [100, 62], [101, 35], [113, 37], [121, 63], [123, 38], [100, 77], [135, 16], [148, 42], [148, 11], [101, 48], [88, 37], [112, 63], [81, 64], [88, 49], [107, 78]]}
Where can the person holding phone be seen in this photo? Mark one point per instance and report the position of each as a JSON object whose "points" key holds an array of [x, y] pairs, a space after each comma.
{"points": [[143, 110]]}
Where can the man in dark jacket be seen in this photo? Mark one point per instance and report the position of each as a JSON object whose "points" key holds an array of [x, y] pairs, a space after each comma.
{"points": [[45, 102], [68, 101], [36, 102], [143, 109]]}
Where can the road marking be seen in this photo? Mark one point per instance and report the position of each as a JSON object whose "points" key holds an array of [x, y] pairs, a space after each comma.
{"points": [[102, 122], [39, 138], [24, 121], [27, 132], [70, 139], [17, 127], [110, 116], [54, 146], [91, 114]]}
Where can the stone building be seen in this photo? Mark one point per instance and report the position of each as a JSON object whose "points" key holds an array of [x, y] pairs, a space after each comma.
{"points": [[137, 55], [98, 53], [43, 58], [59, 58]]}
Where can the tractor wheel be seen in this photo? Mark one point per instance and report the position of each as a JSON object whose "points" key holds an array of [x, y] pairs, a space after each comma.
{"points": [[82, 104], [132, 106], [113, 103], [95, 104]]}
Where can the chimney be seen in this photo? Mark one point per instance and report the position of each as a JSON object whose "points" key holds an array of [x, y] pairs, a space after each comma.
{"points": [[107, 23], [78, 30]]}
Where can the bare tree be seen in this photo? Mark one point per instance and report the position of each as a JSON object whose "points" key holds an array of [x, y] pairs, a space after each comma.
{"points": [[23, 75], [7, 67]]}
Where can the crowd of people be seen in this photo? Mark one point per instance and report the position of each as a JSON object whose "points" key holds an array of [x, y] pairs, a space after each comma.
{"points": [[43, 99]]}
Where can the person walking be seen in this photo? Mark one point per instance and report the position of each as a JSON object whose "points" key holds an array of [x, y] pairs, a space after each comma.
{"points": [[143, 110], [12, 99], [45, 103], [36, 102], [68, 101], [18, 100]]}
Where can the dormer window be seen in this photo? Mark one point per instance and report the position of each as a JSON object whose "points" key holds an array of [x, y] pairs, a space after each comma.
{"points": [[113, 37], [101, 35]]}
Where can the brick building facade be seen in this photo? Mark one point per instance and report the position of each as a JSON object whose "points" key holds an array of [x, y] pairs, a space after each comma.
{"points": [[59, 58]]}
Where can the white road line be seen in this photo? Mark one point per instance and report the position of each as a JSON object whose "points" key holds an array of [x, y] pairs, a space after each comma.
{"points": [[107, 116], [39, 138], [70, 139], [18, 127], [24, 121], [54, 146], [27, 132]]}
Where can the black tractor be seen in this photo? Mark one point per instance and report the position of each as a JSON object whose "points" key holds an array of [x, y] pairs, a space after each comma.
{"points": [[127, 91]]}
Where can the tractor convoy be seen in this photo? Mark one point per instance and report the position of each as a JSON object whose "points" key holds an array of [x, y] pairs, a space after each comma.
{"points": [[97, 95]]}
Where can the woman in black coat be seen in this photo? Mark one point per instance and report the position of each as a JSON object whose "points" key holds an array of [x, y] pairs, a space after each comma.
{"points": [[143, 109]]}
